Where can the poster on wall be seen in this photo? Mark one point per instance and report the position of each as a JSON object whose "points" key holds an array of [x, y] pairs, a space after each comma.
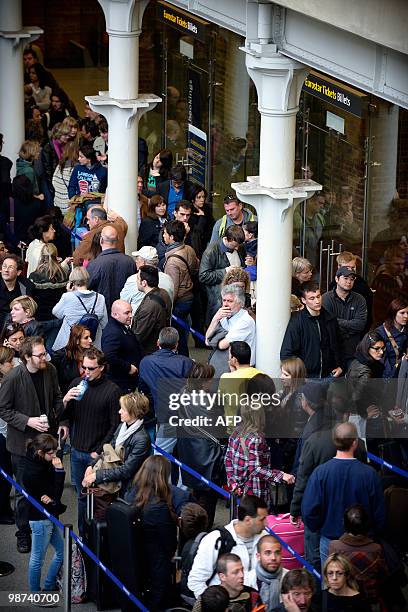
{"points": [[197, 153]]}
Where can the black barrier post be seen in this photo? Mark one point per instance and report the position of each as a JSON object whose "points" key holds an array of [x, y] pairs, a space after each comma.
{"points": [[233, 506], [67, 570]]}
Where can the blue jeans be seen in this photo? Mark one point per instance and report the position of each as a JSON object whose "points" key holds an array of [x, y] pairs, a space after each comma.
{"points": [[312, 551], [167, 443], [182, 311], [44, 533], [79, 462], [324, 549]]}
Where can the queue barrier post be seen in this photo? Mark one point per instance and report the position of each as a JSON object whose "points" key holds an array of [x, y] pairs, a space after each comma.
{"points": [[68, 534], [67, 568]]}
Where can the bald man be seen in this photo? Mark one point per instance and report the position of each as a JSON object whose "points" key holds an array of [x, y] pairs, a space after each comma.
{"points": [[110, 270], [121, 347], [338, 484]]}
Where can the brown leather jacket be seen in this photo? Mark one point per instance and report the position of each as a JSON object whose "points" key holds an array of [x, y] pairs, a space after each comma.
{"points": [[83, 250], [182, 272]]}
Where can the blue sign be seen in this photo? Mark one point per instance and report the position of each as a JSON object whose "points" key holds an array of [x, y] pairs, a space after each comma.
{"points": [[197, 153]]}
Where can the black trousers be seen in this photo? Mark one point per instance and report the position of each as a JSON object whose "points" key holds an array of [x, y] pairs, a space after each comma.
{"points": [[5, 487], [23, 526]]}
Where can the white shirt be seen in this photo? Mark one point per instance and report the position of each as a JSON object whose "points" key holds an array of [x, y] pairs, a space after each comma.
{"points": [[130, 293], [241, 326], [33, 255]]}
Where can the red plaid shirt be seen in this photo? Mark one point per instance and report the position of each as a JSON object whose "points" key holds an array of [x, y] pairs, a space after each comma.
{"points": [[248, 465]]}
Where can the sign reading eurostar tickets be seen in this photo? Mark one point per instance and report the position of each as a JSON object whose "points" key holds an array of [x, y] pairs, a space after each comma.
{"points": [[182, 21], [341, 96]]}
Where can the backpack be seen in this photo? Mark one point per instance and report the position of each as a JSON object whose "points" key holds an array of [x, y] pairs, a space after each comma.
{"points": [[90, 319], [78, 576], [223, 544]]}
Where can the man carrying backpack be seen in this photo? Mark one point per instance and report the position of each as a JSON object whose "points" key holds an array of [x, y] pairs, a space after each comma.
{"points": [[239, 537]]}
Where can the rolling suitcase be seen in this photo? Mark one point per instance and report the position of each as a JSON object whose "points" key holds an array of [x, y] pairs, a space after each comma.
{"points": [[126, 548], [101, 589], [292, 535]]}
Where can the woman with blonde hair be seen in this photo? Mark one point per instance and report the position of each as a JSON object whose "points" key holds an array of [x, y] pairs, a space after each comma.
{"points": [[53, 151], [77, 303], [62, 174], [247, 460], [302, 272], [50, 279], [130, 440], [342, 593], [29, 152], [22, 312]]}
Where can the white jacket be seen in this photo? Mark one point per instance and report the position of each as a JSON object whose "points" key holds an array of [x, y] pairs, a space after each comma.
{"points": [[206, 559]]}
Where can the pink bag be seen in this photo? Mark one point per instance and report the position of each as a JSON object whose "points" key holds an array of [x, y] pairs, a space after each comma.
{"points": [[292, 535]]}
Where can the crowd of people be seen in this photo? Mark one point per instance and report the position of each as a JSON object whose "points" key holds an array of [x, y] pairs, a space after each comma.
{"points": [[94, 342]]}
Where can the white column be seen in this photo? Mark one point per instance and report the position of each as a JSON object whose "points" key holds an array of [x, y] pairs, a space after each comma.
{"points": [[13, 37], [275, 194], [123, 106]]}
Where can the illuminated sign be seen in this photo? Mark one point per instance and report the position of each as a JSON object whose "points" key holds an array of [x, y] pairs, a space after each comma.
{"points": [[330, 91], [182, 21]]}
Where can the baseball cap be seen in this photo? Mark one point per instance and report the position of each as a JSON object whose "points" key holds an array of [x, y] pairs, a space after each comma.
{"points": [[147, 252], [344, 271]]}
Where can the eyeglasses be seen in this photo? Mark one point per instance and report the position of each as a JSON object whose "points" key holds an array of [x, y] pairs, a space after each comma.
{"points": [[378, 349], [40, 355], [91, 369], [7, 268]]}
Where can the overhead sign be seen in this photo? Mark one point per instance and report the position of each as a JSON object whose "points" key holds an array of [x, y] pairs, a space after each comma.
{"points": [[338, 95], [182, 21]]}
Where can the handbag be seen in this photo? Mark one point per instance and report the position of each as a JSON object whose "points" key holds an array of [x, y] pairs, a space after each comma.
{"points": [[109, 460]]}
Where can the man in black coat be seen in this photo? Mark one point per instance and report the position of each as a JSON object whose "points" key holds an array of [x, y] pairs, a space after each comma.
{"points": [[121, 347], [313, 335], [110, 270]]}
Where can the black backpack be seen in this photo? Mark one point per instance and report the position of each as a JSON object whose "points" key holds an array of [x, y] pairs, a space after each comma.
{"points": [[224, 544], [90, 319]]}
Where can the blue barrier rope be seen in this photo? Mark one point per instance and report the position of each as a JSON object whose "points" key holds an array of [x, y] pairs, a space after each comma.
{"points": [[389, 466], [83, 546], [188, 328], [293, 552], [190, 470], [228, 495]]}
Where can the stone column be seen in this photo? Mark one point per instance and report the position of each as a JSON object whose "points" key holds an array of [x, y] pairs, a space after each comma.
{"points": [[123, 106], [13, 39], [275, 194]]}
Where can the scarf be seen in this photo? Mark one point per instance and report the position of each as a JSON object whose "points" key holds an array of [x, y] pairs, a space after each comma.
{"points": [[270, 586], [125, 432]]}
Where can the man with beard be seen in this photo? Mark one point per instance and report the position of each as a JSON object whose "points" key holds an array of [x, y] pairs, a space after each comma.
{"points": [[267, 575]]}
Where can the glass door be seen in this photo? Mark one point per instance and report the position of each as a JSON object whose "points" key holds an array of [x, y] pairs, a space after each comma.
{"points": [[334, 219], [186, 106]]}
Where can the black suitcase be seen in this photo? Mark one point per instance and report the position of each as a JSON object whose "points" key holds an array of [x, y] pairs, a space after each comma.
{"points": [[126, 549], [101, 590]]}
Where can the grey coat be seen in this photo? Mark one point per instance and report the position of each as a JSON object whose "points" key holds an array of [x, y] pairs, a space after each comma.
{"points": [[212, 271], [70, 310], [19, 402]]}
